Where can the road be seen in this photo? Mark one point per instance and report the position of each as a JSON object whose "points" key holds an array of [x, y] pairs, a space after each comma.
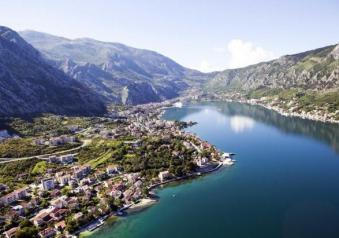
{"points": [[8, 160]]}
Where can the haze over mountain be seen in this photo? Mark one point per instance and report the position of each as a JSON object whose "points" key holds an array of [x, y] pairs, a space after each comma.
{"points": [[80, 76], [29, 85], [120, 73]]}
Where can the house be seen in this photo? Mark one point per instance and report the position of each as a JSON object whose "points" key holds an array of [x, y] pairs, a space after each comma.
{"points": [[81, 172], [52, 159], [164, 175], [133, 177], [187, 145], [39, 141], [78, 216], [72, 203], [201, 161], [100, 175], [111, 170], [27, 205], [58, 214], [10, 233], [9, 198], [58, 202], [60, 226], [14, 196], [108, 183], [62, 140], [63, 179], [134, 143], [47, 184], [47, 233], [66, 159], [63, 159], [42, 218], [19, 210], [138, 184], [55, 193], [115, 193], [128, 195]]}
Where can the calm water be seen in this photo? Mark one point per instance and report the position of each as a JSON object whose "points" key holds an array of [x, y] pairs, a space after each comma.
{"points": [[285, 183]]}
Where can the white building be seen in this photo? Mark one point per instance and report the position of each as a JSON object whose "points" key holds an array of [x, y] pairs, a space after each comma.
{"points": [[63, 179], [14, 196], [66, 159], [201, 161], [164, 175]]}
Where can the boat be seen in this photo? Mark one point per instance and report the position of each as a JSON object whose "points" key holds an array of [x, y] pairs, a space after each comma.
{"points": [[178, 104], [228, 162]]}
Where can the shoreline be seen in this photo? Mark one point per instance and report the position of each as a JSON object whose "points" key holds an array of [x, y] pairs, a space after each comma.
{"points": [[277, 109], [141, 205], [294, 114], [145, 203], [149, 201]]}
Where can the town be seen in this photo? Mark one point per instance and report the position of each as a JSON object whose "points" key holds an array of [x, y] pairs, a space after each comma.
{"points": [[116, 163]]}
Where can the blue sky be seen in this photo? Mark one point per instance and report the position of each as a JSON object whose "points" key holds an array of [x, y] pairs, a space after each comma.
{"points": [[205, 35]]}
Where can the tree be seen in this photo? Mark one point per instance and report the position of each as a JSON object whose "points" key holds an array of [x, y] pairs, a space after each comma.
{"points": [[178, 171], [27, 232], [25, 223], [71, 224], [44, 203]]}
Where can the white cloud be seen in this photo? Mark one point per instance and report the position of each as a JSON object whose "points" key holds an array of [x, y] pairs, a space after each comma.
{"points": [[238, 53], [219, 50], [243, 53], [206, 66]]}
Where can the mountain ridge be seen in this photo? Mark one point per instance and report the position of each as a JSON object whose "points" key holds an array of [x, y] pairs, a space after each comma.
{"points": [[118, 69], [29, 85], [306, 70]]}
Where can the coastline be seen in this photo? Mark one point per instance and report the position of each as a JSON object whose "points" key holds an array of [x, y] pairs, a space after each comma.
{"points": [[279, 110], [151, 200], [141, 205], [296, 114]]}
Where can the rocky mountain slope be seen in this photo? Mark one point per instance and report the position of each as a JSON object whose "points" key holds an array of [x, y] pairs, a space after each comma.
{"points": [[29, 85], [120, 73], [305, 84], [316, 70]]}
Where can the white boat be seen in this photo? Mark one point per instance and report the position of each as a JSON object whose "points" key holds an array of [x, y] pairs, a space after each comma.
{"points": [[228, 162], [178, 104]]}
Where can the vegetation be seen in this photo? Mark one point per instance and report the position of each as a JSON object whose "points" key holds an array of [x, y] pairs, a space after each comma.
{"points": [[22, 147], [26, 230], [17, 173], [150, 157], [54, 125], [306, 100], [40, 168]]}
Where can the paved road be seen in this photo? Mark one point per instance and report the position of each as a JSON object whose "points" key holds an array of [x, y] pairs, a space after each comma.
{"points": [[8, 160]]}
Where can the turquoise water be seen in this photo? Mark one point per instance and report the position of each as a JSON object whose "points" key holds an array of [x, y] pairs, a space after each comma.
{"points": [[285, 182]]}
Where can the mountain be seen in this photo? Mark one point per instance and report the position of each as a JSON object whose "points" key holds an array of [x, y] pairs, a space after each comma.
{"points": [[30, 85], [312, 70], [121, 74], [306, 84]]}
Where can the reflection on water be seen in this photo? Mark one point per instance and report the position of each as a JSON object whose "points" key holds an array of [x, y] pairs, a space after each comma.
{"points": [[243, 117], [241, 124], [283, 185]]}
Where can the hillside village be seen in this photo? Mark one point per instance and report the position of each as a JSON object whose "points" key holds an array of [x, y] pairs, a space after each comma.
{"points": [[128, 154]]}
